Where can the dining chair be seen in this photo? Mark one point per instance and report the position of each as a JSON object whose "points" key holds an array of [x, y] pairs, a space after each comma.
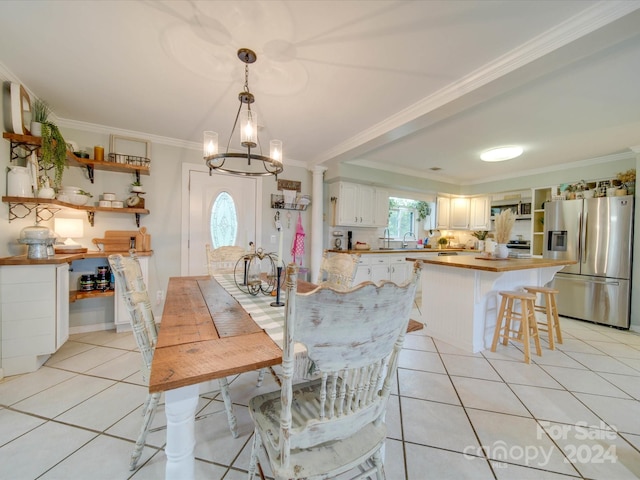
{"points": [[338, 270], [128, 276], [223, 259], [335, 423]]}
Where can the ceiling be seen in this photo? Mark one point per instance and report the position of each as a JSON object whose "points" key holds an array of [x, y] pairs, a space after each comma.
{"points": [[405, 86]]}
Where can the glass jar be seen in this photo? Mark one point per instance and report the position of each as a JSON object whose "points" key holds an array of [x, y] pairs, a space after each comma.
{"points": [[87, 283]]}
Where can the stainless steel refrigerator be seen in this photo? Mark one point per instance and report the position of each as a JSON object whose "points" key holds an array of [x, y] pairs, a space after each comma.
{"points": [[598, 234]]}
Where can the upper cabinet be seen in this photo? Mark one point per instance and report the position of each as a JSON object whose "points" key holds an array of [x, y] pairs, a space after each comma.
{"points": [[355, 205], [463, 213], [443, 211], [479, 213], [459, 213]]}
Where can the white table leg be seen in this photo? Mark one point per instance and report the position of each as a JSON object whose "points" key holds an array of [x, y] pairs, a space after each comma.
{"points": [[180, 409]]}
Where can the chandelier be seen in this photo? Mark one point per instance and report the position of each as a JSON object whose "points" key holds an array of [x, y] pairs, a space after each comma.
{"points": [[231, 162]]}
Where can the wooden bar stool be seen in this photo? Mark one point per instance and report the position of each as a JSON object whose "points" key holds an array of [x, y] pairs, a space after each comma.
{"points": [[550, 309], [528, 327]]}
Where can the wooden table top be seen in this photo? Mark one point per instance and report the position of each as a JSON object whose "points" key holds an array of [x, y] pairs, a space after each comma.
{"points": [[205, 334], [492, 265]]}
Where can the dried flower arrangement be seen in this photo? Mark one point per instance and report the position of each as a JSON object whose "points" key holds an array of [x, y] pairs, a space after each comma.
{"points": [[628, 176], [504, 223]]}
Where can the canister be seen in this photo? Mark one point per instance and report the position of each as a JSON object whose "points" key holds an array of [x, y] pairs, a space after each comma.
{"points": [[102, 282], [87, 283]]}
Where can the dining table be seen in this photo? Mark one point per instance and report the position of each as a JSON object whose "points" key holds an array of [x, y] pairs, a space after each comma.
{"points": [[210, 329]]}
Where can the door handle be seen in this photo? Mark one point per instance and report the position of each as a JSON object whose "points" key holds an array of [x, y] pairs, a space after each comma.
{"points": [[584, 238]]}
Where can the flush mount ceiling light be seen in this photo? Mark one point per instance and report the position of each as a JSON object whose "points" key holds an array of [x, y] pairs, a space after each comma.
{"points": [[501, 154], [231, 162]]}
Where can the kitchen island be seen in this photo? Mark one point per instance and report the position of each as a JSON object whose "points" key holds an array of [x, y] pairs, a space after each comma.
{"points": [[460, 296]]}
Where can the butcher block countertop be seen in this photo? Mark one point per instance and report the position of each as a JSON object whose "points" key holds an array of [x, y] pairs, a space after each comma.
{"points": [[492, 265], [405, 250], [62, 258]]}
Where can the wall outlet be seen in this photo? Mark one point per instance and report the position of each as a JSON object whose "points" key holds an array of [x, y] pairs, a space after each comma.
{"points": [[159, 297]]}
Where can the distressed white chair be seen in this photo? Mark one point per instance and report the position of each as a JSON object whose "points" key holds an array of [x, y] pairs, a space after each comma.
{"points": [[223, 259], [338, 270], [325, 427], [128, 275]]}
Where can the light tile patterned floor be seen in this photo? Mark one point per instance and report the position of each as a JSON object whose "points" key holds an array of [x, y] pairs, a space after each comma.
{"points": [[572, 413]]}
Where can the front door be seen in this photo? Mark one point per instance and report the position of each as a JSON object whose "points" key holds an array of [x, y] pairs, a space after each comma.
{"points": [[237, 194]]}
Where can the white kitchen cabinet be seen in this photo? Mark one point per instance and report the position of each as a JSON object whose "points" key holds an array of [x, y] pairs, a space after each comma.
{"points": [[463, 213], [480, 213], [358, 205], [121, 314], [379, 267], [459, 213], [443, 209], [399, 269], [363, 272], [34, 314], [376, 268]]}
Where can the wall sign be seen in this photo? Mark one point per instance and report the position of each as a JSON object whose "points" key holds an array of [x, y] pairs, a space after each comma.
{"points": [[289, 185]]}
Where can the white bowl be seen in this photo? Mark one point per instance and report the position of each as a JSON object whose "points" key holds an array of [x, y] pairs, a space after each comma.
{"points": [[109, 196], [104, 203], [117, 204], [67, 189], [77, 199]]}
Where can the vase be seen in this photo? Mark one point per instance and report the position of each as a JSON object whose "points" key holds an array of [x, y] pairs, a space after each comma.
{"points": [[36, 129], [501, 250], [480, 245], [46, 192]]}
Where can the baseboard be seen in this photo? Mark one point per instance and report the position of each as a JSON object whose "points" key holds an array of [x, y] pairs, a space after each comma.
{"points": [[96, 327]]}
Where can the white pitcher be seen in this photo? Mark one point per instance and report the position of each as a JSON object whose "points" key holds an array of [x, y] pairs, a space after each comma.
{"points": [[490, 246], [19, 182]]}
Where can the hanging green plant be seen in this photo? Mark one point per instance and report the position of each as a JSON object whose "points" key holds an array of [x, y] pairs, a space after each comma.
{"points": [[423, 209], [53, 152]]}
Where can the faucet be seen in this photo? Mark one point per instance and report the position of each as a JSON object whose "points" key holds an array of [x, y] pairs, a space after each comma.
{"points": [[386, 238], [404, 239]]}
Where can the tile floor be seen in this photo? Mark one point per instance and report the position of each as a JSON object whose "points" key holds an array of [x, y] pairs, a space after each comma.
{"points": [[574, 412]]}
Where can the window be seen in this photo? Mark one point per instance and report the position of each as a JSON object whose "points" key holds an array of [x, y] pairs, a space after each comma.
{"points": [[402, 216], [224, 221]]}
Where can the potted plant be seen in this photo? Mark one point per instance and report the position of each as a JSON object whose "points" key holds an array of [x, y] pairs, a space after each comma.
{"points": [[40, 114], [480, 235], [136, 187], [53, 153], [443, 242]]}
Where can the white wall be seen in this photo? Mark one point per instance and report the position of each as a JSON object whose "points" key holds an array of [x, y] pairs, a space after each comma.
{"points": [[163, 199]]}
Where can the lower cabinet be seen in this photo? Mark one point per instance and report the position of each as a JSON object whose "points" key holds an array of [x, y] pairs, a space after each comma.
{"points": [[34, 314], [382, 267]]}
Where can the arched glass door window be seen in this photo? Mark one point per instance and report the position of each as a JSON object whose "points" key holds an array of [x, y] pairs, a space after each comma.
{"points": [[224, 221]]}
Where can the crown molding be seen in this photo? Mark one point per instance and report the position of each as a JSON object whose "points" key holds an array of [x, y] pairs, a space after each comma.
{"points": [[157, 139]]}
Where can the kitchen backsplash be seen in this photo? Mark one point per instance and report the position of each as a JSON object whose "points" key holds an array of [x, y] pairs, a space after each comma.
{"points": [[372, 236]]}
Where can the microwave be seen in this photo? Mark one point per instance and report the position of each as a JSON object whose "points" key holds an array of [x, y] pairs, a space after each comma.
{"points": [[519, 208]]}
